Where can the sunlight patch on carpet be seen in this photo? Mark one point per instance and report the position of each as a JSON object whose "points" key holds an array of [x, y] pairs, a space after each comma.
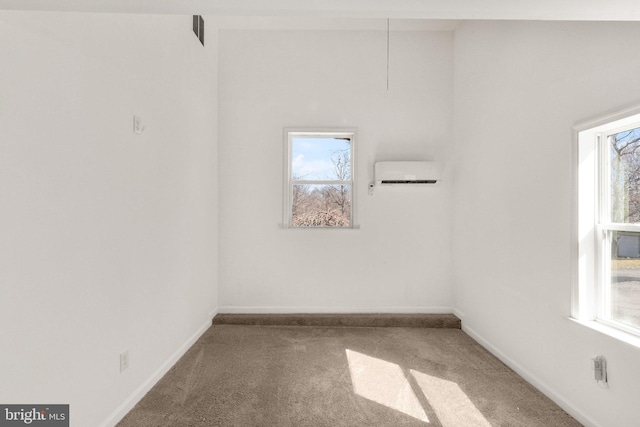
{"points": [[384, 383], [451, 405]]}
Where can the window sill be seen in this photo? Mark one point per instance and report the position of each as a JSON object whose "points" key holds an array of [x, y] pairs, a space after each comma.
{"points": [[345, 229], [610, 331]]}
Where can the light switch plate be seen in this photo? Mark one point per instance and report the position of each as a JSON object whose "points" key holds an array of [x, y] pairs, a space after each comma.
{"points": [[137, 125]]}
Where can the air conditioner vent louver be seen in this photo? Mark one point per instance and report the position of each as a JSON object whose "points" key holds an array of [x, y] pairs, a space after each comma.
{"points": [[407, 181], [407, 173]]}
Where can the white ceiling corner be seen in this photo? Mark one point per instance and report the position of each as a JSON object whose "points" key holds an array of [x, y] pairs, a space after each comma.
{"points": [[574, 10]]}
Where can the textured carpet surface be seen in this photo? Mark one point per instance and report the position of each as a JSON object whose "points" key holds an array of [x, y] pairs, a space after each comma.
{"points": [[361, 320], [238, 375]]}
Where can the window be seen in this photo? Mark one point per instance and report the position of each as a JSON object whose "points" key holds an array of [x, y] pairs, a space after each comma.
{"points": [[609, 224], [319, 179]]}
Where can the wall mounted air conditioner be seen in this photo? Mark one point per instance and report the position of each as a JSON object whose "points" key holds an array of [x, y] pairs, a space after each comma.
{"points": [[406, 173]]}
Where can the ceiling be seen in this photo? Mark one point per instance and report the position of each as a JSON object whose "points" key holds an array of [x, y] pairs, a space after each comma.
{"points": [[573, 10]]}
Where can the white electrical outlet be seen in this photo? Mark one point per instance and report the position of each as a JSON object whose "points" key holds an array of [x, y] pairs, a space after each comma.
{"points": [[124, 360], [600, 369]]}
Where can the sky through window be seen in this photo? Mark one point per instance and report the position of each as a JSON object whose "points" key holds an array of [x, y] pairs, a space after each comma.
{"points": [[311, 158]]}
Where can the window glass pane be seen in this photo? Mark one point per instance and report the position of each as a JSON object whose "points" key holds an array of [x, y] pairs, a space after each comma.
{"points": [[316, 158], [321, 205], [624, 155], [622, 299]]}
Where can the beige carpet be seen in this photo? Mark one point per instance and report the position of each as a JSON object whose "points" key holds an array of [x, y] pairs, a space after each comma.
{"points": [[239, 375], [364, 319]]}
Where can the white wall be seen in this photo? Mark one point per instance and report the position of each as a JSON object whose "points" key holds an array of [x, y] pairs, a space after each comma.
{"points": [[108, 237], [519, 88], [399, 260]]}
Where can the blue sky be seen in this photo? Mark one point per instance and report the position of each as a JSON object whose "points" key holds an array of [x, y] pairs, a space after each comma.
{"points": [[311, 157]]}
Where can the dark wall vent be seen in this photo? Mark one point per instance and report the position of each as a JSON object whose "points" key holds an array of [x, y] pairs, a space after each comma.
{"points": [[198, 27]]}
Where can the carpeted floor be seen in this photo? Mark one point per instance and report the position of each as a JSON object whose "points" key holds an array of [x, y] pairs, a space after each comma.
{"points": [[239, 375]]}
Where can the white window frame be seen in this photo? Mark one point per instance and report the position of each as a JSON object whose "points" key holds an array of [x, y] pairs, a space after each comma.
{"points": [[289, 134], [592, 260]]}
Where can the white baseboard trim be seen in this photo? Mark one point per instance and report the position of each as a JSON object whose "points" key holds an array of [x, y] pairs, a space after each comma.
{"points": [[139, 393], [460, 315], [327, 310], [532, 379]]}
